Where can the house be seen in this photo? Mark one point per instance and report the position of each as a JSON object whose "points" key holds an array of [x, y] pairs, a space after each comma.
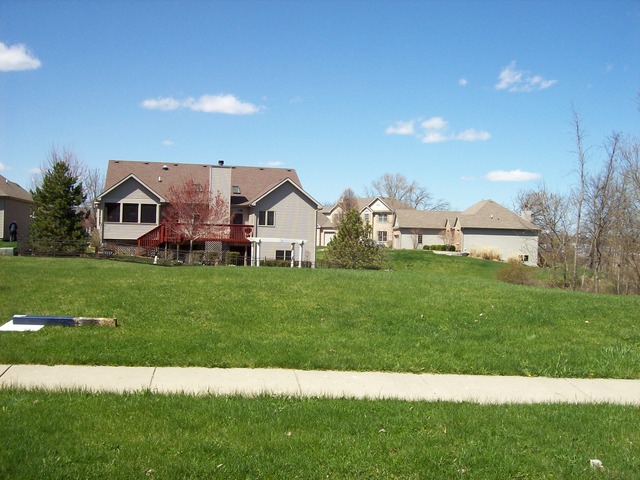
{"points": [[413, 229], [488, 226], [15, 206], [378, 212], [271, 216], [483, 227]]}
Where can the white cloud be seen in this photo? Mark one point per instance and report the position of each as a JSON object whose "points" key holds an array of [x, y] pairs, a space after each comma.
{"points": [[401, 128], [472, 135], [227, 104], [512, 176], [17, 57], [434, 137], [3, 167], [463, 82], [514, 80], [162, 104], [168, 143], [435, 130], [275, 164], [435, 123]]}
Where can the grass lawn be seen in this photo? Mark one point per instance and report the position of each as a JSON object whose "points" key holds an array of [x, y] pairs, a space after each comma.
{"points": [[82, 435], [427, 313]]}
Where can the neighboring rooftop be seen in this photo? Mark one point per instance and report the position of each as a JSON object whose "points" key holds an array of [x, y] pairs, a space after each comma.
{"points": [[9, 189]]}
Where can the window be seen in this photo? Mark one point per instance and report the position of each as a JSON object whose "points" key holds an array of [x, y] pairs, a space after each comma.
{"points": [[366, 218], [235, 190], [382, 217], [420, 239], [130, 213], [266, 218], [283, 255], [147, 213], [382, 236], [113, 212], [524, 258]]}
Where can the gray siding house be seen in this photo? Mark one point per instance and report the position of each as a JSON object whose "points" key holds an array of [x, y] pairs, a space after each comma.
{"points": [[270, 214], [15, 206]]}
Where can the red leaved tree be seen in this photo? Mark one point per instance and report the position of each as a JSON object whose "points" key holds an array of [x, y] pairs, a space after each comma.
{"points": [[193, 214]]}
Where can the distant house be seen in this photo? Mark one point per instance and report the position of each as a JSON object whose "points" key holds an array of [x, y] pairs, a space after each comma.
{"points": [[489, 226], [483, 227], [414, 229], [271, 216], [15, 206], [378, 212]]}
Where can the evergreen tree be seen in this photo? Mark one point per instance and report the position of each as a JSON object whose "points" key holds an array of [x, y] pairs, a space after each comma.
{"points": [[56, 216], [352, 247]]}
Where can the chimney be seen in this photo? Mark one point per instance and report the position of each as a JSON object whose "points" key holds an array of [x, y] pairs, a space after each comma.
{"points": [[221, 163]]}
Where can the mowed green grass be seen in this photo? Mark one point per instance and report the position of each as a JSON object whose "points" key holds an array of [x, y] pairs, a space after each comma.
{"points": [[425, 313], [82, 435]]}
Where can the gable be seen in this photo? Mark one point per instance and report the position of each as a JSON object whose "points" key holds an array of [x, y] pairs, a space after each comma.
{"points": [[131, 189]]}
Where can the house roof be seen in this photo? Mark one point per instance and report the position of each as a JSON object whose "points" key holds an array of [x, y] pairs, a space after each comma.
{"points": [[489, 214], [323, 221], [365, 202], [252, 181], [278, 185], [9, 189], [423, 218]]}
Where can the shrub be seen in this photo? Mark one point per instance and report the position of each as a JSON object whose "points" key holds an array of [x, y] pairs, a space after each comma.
{"points": [[515, 272], [486, 254]]}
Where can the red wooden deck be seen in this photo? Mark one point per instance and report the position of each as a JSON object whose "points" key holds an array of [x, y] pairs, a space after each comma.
{"points": [[221, 233]]}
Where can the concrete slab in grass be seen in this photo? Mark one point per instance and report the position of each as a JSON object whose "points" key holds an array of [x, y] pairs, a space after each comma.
{"points": [[93, 378], [607, 390], [225, 381], [501, 389], [406, 386]]}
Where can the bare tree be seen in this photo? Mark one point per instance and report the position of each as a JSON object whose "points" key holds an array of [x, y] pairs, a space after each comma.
{"points": [[600, 195], [348, 200], [192, 214], [579, 194], [397, 187], [550, 212]]}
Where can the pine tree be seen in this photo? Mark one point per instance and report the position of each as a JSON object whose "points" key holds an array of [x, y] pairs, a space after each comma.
{"points": [[56, 216], [352, 247]]}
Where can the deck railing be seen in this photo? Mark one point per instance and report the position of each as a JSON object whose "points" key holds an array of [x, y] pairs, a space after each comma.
{"points": [[223, 233]]}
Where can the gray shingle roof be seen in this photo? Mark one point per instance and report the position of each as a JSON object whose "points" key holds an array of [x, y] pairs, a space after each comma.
{"points": [[9, 189], [423, 218], [253, 181], [488, 214]]}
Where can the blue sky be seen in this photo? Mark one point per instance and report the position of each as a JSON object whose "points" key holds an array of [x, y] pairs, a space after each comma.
{"points": [[471, 99]]}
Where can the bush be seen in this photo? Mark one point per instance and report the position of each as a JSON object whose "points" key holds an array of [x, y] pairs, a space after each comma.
{"points": [[486, 254], [515, 272]]}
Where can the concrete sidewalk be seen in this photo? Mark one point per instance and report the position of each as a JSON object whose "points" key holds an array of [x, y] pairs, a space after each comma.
{"points": [[332, 384]]}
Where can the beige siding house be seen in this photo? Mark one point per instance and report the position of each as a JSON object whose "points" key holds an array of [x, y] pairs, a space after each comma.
{"points": [[483, 227], [15, 206], [487, 226], [378, 212], [264, 204], [413, 229]]}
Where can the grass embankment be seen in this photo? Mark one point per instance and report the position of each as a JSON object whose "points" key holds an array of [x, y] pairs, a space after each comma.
{"points": [[81, 435], [429, 313]]}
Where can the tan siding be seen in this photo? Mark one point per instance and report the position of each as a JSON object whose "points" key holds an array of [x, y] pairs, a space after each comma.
{"points": [[509, 243], [126, 231], [131, 192], [295, 219], [15, 210]]}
